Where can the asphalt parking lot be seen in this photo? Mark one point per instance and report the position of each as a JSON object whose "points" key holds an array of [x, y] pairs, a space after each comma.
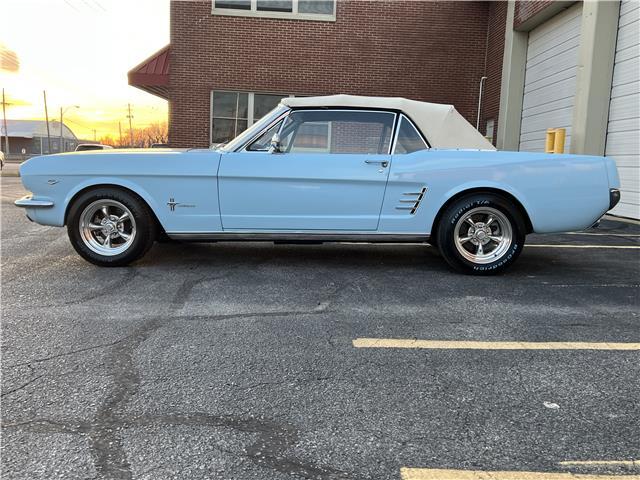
{"points": [[255, 361]]}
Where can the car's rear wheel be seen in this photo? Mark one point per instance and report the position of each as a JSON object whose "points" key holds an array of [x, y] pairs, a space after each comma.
{"points": [[481, 234], [110, 227]]}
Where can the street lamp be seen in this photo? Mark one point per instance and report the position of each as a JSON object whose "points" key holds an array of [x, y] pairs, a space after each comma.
{"points": [[63, 110]]}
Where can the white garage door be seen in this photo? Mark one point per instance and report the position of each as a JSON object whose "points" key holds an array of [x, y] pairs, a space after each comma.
{"points": [[623, 132], [550, 79]]}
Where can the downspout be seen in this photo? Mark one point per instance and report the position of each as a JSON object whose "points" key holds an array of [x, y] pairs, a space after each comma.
{"points": [[482, 80]]}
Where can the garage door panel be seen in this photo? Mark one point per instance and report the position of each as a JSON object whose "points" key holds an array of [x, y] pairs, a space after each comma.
{"points": [[627, 71], [550, 79], [628, 53], [630, 210], [621, 143], [550, 93], [551, 49], [624, 107], [629, 178], [624, 125], [629, 16], [625, 90], [546, 107], [626, 7], [549, 70], [626, 160], [555, 30], [623, 130], [541, 121]]}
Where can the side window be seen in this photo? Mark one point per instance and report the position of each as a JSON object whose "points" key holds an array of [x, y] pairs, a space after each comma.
{"points": [[337, 131], [409, 140]]}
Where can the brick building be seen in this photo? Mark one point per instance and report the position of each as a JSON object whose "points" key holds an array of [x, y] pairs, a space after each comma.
{"points": [[230, 61]]}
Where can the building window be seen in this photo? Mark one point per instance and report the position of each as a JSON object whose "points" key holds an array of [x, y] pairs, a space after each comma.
{"points": [[321, 10], [233, 112]]}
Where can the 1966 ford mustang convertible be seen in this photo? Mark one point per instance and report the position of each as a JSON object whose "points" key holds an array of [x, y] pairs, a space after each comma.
{"points": [[323, 169]]}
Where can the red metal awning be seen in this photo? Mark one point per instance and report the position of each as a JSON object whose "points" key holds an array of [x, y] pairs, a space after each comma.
{"points": [[152, 75]]}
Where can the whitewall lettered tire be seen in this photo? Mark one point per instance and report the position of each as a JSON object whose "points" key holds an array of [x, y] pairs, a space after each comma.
{"points": [[481, 234]]}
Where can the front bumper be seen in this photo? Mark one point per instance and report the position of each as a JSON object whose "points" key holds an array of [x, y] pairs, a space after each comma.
{"points": [[29, 202], [614, 197]]}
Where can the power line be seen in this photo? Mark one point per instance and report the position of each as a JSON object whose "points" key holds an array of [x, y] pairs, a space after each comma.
{"points": [[71, 5], [99, 5]]}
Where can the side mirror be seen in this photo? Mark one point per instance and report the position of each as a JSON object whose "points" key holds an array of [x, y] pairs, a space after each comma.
{"points": [[275, 144]]}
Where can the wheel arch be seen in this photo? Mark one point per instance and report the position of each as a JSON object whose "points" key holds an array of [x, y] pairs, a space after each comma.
{"points": [[143, 197], [477, 190]]}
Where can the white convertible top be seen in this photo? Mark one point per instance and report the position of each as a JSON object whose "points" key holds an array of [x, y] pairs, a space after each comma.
{"points": [[443, 126]]}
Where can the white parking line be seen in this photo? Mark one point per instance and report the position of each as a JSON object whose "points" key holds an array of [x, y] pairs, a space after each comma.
{"points": [[604, 234], [621, 247], [597, 463], [475, 345], [440, 474]]}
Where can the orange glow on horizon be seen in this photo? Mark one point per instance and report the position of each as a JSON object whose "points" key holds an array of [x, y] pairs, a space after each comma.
{"points": [[80, 52]]}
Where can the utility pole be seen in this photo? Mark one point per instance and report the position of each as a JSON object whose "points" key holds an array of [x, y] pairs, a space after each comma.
{"points": [[120, 130], [94, 135], [61, 138], [46, 116], [130, 117], [6, 131]]}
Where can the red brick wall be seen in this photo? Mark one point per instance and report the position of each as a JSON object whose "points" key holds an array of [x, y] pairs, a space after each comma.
{"points": [[526, 9], [432, 51], [495, 52]]}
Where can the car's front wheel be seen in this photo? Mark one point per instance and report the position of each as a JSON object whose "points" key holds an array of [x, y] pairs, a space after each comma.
{"points": [[110, 227], [481, 234]]}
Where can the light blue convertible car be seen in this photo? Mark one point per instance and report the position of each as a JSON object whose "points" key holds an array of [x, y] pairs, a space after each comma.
{"points": [[324, 169]]}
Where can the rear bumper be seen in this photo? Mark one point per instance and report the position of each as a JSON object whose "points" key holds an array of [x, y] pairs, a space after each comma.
{"points": [[29, 202], [614, 197]]}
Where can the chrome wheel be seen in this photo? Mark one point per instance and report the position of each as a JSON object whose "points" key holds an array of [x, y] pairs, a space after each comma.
{"points": [[107, 227], [483, 235]]}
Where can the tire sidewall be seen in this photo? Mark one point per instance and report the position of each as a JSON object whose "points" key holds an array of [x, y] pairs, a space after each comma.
{"points": [[145, 231], [446, 233]]}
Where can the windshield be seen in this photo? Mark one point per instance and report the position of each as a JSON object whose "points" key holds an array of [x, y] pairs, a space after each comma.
{"points": [[253, 129]]}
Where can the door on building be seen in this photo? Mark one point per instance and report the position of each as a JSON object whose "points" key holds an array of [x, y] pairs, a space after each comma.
{"points": [[330, 174], [550, 79], [623, 129]]}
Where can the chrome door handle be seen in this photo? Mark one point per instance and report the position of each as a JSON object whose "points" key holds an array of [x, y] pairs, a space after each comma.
{"points": [[384, 163]]}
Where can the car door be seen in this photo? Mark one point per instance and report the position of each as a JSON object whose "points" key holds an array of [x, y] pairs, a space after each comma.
{"points": [[329, 173]]}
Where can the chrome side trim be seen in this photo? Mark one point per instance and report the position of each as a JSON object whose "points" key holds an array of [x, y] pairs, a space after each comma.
{"points": [[306, 236], [28, 202], [416, 201]]}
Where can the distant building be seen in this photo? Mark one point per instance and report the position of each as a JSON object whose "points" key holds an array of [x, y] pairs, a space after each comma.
{"points": [[29, 137]]}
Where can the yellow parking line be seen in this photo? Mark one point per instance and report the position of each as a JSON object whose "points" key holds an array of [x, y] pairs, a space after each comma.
{"points": [[475, 345], [620, 247], [438, 474], [596, 463]]}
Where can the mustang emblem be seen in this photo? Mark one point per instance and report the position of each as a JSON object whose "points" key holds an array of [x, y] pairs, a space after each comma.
{"points": [[172, 204]]}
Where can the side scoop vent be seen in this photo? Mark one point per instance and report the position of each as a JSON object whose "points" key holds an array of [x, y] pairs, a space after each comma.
{"points": [[411, 200]]}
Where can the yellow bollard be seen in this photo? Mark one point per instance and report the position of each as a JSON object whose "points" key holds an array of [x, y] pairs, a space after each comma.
{"points": [[551, 134], [554, 142], [558, 144]]}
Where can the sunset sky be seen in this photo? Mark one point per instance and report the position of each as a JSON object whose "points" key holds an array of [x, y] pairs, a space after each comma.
{"points": [[80, 51]]}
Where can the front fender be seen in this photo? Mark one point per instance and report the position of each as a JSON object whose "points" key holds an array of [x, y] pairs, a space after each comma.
{"points": [[109, 181]]}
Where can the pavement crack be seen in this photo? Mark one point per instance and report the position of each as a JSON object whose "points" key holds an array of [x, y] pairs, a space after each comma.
{"points": [[66, 354], [17, 389]]}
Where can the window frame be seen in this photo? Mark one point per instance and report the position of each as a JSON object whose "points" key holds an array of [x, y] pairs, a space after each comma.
{"points": [[401, 117], [293, 15], [394, 127]]}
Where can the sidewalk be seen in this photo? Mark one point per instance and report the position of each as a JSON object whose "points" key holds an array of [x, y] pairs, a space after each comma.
{"points": [[10, 170]]}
